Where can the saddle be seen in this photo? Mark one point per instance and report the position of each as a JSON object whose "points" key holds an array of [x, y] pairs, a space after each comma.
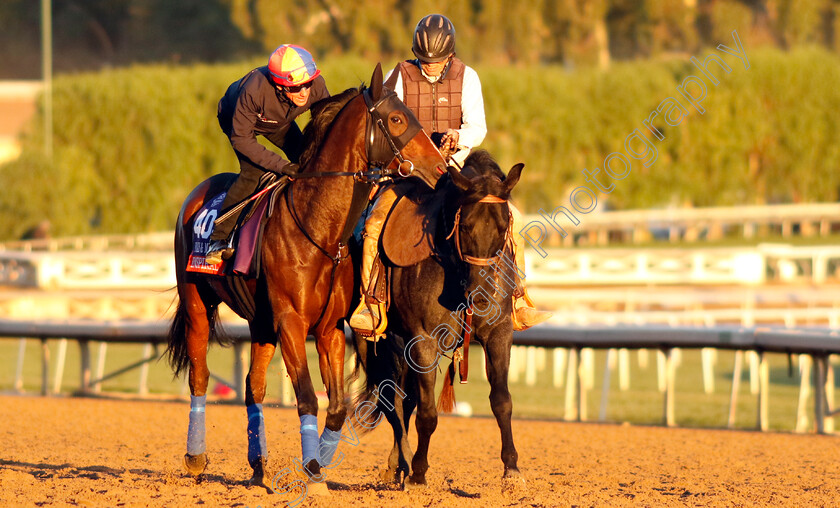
{"points": [[247, 239], [408, 235]]}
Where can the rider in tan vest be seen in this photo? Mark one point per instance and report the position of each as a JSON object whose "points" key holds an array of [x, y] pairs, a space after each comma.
{"points": [[445, 95]]}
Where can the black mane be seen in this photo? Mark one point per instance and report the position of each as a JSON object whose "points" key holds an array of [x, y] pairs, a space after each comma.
{"points": [[485, 174]]}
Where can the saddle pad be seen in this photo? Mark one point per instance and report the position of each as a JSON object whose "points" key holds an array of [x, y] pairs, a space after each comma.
{"points": [[408, 236], [202, 228], [249, 237]]}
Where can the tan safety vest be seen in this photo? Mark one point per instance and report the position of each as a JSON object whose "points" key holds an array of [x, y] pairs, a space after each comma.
{"points": [[437, 105]]}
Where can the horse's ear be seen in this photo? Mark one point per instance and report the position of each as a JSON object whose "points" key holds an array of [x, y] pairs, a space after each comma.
{"points": [[376, 83], [513, 177], [460, 181]]}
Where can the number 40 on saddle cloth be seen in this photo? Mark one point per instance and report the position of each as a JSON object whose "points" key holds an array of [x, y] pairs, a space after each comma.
{"points": [[247, 239], [202, 228]]}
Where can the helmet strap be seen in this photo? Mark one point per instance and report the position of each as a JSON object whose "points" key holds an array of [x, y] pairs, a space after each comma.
{"points": [[439, 77]]}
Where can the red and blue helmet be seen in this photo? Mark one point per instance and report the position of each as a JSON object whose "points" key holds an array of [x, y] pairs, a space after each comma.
{"points": [[291, 65]]}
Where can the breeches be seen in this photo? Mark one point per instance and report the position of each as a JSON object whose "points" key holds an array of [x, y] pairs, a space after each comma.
{"points": [[244, 185]]}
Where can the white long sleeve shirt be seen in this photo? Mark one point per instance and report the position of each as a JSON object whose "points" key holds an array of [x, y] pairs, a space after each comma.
{"points": [[473, 126]]}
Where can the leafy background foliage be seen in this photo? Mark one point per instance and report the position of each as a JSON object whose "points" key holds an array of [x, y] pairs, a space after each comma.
{"points": [[565, 82]]}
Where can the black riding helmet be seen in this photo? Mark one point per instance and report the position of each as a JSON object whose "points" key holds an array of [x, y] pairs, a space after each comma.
{"points": [[434, 39]]}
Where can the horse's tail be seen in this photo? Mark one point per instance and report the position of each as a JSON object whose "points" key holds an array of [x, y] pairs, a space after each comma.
{"points": [[446, 402], [176, 349]]}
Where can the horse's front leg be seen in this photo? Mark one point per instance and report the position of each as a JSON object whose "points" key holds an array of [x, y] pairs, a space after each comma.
{"points": [[498, 364], [403, 406], [293, 343], [331, 345], [255, 383]]}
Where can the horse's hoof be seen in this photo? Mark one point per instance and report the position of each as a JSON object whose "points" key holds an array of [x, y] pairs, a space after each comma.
{"points": [[258, 478], [513, 482], [195, 464], [389, 476], [414, 484]]}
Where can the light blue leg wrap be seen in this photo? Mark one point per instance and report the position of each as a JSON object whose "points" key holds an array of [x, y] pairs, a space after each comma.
{"points": [[195, 431], [309, 437], [256, 433], [328, 445]]}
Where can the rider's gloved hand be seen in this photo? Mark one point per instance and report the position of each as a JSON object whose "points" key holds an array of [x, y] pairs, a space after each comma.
{"points": [[450, 140]]}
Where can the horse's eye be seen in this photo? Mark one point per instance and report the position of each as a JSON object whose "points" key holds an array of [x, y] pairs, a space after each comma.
{"points": [[397, 123]]}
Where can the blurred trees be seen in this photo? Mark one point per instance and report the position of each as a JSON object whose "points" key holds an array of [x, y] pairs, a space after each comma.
{"points": [[90, 34], [132, 140], [131, 143]]}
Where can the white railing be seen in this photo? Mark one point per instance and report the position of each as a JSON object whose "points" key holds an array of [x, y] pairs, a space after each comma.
{"points": [[88, 270], [766, 263], [744, 266], [675, 224], [596, 228], [161, 241], [568, 346]]}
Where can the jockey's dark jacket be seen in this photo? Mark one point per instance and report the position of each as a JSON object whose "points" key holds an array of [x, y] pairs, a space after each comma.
{"points": [[254, 106], [437, 105]]}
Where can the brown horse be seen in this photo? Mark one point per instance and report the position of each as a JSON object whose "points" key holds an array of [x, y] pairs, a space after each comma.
{"points": [[306, 283]]}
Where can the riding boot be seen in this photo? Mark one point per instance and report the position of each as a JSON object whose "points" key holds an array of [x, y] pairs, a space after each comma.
{"points": [[369, 317], [525, 313], [366, 318], [221, 239]]}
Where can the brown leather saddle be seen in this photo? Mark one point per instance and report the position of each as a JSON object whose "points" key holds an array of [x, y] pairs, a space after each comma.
{"points": [[408, 235]]}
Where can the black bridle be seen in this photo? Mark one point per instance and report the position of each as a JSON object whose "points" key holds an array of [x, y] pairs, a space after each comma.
{"points": [[382, 150]]}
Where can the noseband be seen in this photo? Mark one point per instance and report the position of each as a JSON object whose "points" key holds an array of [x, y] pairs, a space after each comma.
{"points": [[471, 260]]}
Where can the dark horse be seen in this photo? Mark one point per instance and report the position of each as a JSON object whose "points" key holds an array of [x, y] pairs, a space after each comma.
{"points": [[472, 269], [306, 283]]}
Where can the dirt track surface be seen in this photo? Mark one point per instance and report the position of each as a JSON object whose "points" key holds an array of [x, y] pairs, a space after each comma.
{"points": [[60, 451]]}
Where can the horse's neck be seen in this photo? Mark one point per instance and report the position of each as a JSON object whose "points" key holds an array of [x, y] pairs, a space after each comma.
{"points": [[324, 202]]}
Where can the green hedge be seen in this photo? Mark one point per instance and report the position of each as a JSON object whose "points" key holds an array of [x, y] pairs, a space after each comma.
{"points": [[131, 143]]}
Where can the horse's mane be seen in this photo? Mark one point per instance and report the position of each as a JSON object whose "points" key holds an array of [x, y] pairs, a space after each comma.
{"points": [[323, 113], [485, 174]]}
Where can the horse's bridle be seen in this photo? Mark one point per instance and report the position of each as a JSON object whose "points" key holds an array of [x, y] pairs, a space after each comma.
{"points": [[381, 150], [472, 260]]}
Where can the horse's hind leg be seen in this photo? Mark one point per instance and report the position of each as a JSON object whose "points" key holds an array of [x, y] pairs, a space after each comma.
{"points": [[498, 363], [197, 324]]}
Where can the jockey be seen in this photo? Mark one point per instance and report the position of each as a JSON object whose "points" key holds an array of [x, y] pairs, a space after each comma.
{"points": [[264, 102], [445, 95]]}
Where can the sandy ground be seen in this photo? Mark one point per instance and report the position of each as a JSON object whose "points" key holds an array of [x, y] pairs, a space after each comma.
{"points": [[89, 452]]}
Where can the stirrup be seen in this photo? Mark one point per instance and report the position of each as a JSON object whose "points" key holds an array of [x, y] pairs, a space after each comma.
{"points": [[217, 251], [531, 315], [364, 329]]}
